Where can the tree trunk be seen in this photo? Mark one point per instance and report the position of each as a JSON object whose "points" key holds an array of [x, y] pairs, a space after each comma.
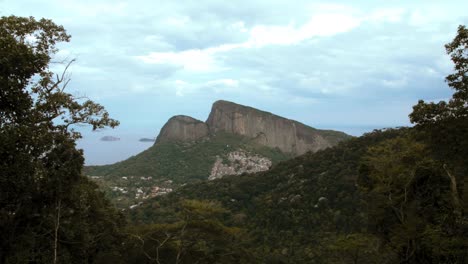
{"points": [[57, 225]]}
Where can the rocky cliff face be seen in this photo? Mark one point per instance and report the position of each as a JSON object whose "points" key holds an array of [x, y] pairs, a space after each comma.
{"points": [[266, 128], [238, 162], [182, 128], [262, 127]]}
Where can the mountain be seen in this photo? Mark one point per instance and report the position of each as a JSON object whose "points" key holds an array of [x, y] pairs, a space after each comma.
{"points": [[182, 128], [262, 127], [270, 130], [147, 140], [235, 139]]}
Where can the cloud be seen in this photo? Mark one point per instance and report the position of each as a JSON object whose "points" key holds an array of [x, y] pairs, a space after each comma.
{"points": [[93, 8], [183, 88], [192, 60], [318, 26], [395, 83], [205, 60], [392, 15]]}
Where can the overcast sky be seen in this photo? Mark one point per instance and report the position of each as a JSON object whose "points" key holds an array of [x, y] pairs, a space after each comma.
{"points": [[345, 65]]}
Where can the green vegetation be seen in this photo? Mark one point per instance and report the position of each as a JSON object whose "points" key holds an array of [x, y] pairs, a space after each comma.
{"points": [[379, 196], [171, 164], [183, 162], [196, 236], [291, 212], [334, 137]]}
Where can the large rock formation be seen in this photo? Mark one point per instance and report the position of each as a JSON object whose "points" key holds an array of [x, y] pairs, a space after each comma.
{"points": [[182, 128], [269, 129], [264, 128]]}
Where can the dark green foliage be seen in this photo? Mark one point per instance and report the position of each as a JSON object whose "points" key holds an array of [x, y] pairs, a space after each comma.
{"points": [[196, 236], [409, 201], [444, 125], [377, 197], [46, 206]]}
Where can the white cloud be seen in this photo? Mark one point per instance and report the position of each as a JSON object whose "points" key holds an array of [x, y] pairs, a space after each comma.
{"points": [[223, 82], [392, 15], [195, 60], [397, 83], [204, 60], [328, 25], [239, 26], [94, 9], [138, 88], [183, 88], [318, 26], [430, 16]]}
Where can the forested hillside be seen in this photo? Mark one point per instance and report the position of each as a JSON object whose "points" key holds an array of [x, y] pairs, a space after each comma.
{"points": [[169, 165], [290, 211], [334, 205]]}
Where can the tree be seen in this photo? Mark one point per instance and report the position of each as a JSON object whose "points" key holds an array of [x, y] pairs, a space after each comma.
{"points": [[444, 125], [438, 114], [353, 248], [40, 167], [409, 203], [411, 181]]}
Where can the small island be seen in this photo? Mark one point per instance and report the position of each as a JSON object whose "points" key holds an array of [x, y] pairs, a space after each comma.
{"points": [[110, 138], [147, 140]]}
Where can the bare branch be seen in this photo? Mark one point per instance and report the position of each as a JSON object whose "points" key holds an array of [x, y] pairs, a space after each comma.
{"points": [[453, 187]]}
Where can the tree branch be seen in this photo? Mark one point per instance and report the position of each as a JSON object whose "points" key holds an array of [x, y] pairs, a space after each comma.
{"points": [[453, 187]]}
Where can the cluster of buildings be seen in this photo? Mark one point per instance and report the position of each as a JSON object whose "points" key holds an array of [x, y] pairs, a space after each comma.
{"points": [[153, 192]]}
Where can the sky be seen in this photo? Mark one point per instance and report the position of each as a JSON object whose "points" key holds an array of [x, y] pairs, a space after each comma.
{"points": [[351, 66]]}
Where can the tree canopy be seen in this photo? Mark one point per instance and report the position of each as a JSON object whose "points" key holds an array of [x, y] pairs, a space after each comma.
{"points": [[445, 123], [42, 190]]}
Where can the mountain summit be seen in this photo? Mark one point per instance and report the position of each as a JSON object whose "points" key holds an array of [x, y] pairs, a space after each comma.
{"points": [[182, 128], [262, 127]]}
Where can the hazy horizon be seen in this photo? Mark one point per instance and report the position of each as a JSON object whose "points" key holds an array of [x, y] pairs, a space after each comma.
{"points": [[99, 152]]}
